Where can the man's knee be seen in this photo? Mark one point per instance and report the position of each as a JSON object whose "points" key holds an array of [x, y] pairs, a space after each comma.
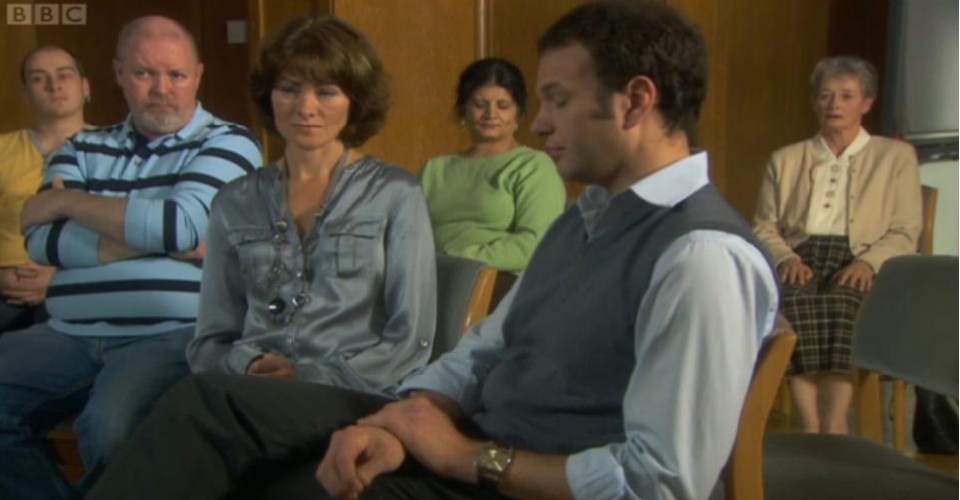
{"points": [[196, 388]]}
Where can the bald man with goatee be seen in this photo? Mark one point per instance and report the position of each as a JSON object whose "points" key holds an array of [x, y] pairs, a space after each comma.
{"points": [[121, 214]]}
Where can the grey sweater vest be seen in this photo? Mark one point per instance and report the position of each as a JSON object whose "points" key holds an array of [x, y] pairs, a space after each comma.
{"points": [[569, 335]]}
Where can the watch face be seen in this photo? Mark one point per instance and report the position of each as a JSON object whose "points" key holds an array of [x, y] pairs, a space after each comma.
{"points": [[493, 462], [496, 459]]}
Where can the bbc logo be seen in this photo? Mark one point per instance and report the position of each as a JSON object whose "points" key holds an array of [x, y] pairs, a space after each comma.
{"points": [[46, 13]]}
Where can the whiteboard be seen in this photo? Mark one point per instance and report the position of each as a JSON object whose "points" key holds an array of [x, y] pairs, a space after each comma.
{"points": [[927, 94]]}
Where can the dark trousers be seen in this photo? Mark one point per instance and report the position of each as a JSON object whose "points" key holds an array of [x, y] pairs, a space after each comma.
{"points": [[221, 436], [935, 423]]}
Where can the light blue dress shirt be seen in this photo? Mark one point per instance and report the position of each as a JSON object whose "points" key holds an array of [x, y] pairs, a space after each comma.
{"points": [[712, 299]]}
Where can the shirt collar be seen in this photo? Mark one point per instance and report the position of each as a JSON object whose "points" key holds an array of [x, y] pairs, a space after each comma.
{"points": [[825, 154], [665, 187], [201, 118], [675, 182]]}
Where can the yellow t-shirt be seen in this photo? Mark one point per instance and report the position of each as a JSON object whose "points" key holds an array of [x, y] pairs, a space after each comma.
{"points": [[21, 171]]}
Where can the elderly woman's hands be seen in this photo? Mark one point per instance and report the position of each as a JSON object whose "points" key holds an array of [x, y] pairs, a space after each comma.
{"points": [[794, 272], [858, 275]]}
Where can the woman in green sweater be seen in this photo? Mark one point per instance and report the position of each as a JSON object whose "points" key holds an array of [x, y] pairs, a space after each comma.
{"points": [[493, 201]]}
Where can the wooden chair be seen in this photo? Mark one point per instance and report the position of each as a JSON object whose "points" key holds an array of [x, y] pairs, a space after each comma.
{"points": [[929, 210], [63, 445], [744, 473], [464, 291], [502, 285], [907, 329]]}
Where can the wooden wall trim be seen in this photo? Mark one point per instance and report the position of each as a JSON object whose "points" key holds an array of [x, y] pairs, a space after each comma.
{"points": [[484, 22], [256, 21]]}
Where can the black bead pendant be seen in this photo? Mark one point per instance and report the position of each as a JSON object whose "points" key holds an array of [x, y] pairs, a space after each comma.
{"points": [[276, 306]]}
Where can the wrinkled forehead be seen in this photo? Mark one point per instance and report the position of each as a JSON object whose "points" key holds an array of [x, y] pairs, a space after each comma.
{"points": [[841, 81], [170, 46]]}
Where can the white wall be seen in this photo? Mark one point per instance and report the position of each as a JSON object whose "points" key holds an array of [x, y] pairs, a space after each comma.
{"points": [[943, 175]]}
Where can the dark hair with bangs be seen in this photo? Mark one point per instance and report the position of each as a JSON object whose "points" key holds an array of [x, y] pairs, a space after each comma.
{"points": [[491, 70], [640, 38], [325, 50]]}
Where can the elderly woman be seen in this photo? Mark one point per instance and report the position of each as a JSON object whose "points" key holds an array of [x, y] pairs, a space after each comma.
{"points": [[493, 201], [320, 267], [831, 210]]}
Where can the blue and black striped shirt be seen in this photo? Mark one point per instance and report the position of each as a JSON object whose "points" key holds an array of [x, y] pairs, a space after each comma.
{"points": [[169, 183]]}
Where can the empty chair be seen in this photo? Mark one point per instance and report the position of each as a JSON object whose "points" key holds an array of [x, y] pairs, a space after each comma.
{"points": [[924, 247], [907, 329], [464, 290]]}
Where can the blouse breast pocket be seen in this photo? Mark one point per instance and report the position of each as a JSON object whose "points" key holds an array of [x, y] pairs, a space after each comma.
{"points": [[353, 246], [255, 251]]}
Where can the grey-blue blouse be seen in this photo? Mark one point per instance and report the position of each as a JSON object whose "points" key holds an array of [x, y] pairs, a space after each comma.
{"points": [[352, 304]]}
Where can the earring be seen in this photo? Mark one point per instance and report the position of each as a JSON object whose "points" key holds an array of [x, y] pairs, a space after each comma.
{"points": [[87, 99]]}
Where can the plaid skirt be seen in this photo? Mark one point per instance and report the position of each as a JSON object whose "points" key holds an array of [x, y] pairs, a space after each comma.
{"points": [[822, 312]]}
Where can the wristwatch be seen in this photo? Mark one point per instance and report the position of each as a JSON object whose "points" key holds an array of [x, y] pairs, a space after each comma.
{"points": [[492, 463]]}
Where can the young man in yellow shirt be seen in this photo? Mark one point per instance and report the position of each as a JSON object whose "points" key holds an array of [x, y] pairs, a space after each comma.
{"points": [[56, 89]]}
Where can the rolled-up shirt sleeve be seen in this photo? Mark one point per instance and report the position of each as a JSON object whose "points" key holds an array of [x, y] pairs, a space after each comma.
{"points": [[711, 301], [178, 222], [459, 374]]}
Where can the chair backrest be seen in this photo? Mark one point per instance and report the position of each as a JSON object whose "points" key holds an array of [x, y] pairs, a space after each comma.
{"points": [[925, 242], [744, 472], [464, 289], [907, 327]]}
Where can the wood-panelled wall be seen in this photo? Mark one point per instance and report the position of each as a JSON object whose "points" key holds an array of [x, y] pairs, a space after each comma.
{"points": [[761, 55]]}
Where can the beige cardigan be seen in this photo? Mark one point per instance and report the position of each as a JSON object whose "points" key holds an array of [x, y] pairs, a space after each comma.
{"points": [[883, 200]]}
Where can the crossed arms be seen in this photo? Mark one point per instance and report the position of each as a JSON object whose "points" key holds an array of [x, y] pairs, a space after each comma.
{"points": [[67, 226]]}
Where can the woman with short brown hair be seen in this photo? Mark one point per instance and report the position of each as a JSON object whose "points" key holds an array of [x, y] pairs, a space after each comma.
{"points": [[320, 266]]}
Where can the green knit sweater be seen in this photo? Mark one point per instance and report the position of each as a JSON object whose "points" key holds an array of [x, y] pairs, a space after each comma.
{"points": [[492, 209]]}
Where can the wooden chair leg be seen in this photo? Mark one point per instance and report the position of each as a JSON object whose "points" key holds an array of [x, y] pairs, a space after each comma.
{"points": [[785, 402], [869, 408], [63, 446]]}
